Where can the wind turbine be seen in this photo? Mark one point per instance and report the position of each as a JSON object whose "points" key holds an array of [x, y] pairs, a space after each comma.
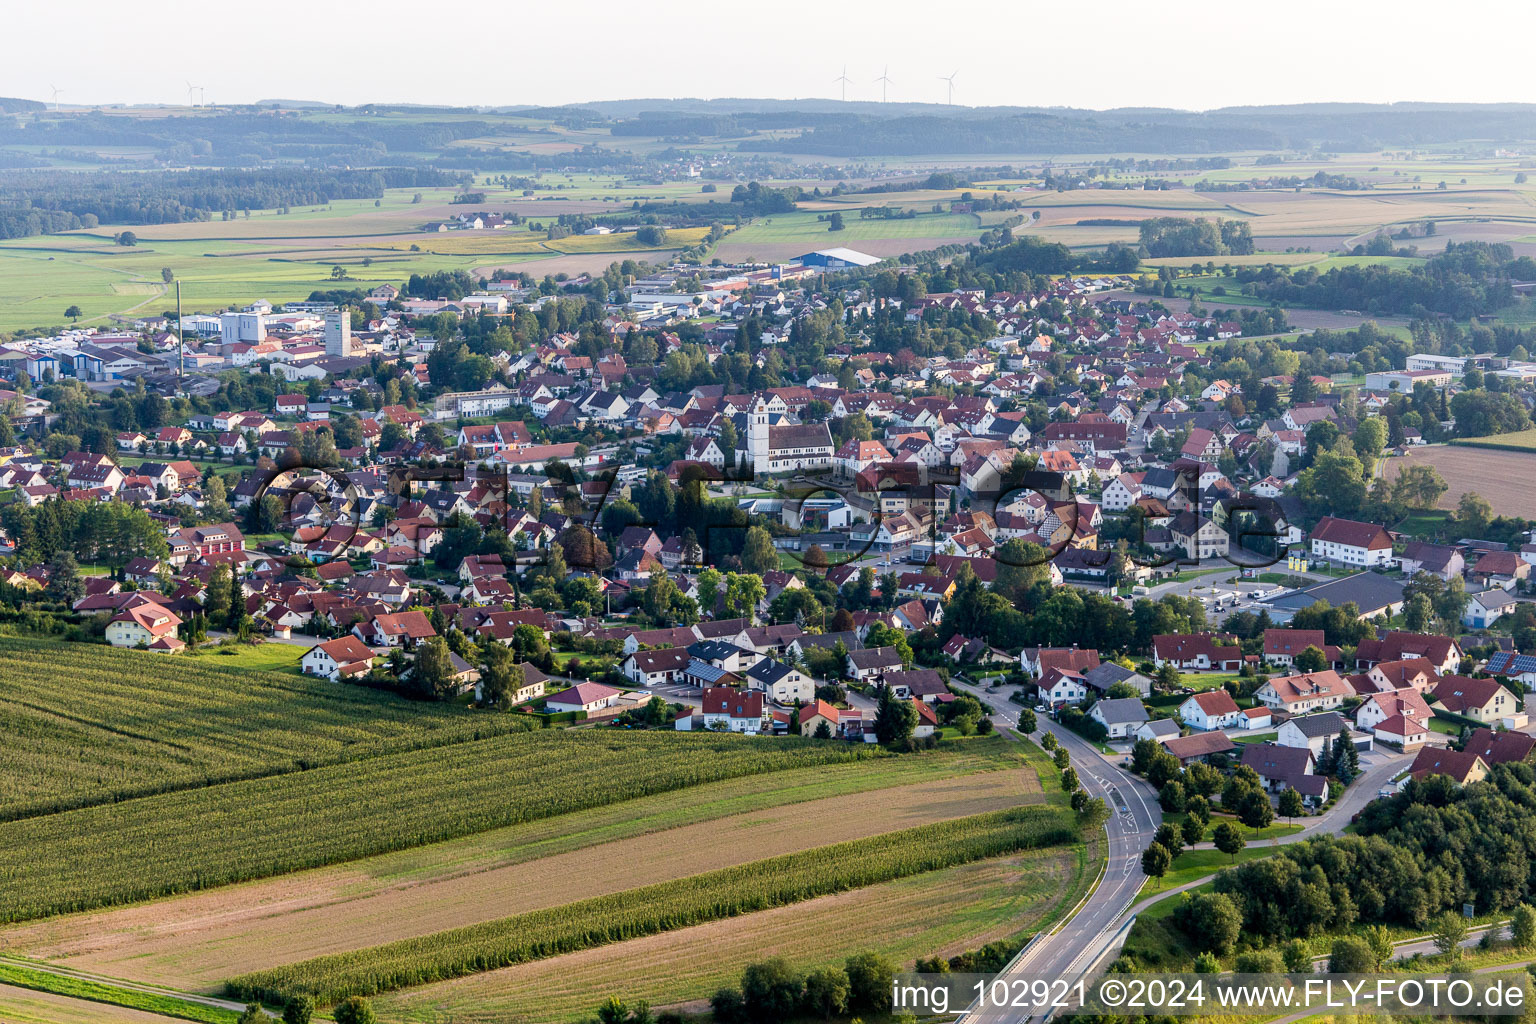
{"points": [[885, 81], [56, 91], [190, 90], [845, 80], [951, 80]]}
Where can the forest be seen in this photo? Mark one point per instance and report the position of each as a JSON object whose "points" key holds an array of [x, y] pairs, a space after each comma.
{"points": [[62, 200]]}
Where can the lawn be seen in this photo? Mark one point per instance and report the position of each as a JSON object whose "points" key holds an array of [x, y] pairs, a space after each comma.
{"points": [[1193, 864], [97, 992], [264, 657]]}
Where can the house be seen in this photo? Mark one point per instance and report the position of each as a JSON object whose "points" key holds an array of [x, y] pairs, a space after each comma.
{"points": [[925, 684], [1487, 607], [341, 658], [1280, 768], [1482, 700], [1381, 707], [534, 683], [586, 697], [726, 709], [872, 663], [1402, 731], [1499, 747], [1200, 746], [818, 713], [1439, 560], [1210, 710], [1039, 660], [1101, 677], [1460, 766], [395, 629], [1443, 653], [1158, 730], [1347, 542], [1315, 732], [927, 720], [1195, 652], [782, 682], [656, 667], [1061, 686], [1520, 668], [142, 624], [1307, 691], [1282, 645], [1120, 717]]}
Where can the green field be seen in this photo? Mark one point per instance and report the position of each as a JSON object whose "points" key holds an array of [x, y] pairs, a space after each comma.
{"points": [[93, 724], [1518, 441], [97, 992]]}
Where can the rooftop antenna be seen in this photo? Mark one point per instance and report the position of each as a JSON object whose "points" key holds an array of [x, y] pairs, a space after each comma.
{"points": [[56, 91], [951, 80], [845, 80], [885, 81]]}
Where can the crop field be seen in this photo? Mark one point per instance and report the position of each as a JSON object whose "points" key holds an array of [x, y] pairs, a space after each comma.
{"points": [[518, 242], [88, 990], [197, 941], [941, 912], [1504, 477], [784, 235], [633, 913], [26, 1006], [130, 724], [137, 850]]}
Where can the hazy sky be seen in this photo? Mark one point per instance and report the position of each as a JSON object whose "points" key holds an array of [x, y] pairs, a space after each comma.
{"points": [[1195, 55]]}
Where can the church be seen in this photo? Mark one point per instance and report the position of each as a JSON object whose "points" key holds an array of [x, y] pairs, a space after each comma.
{"points": [[786, 448]]}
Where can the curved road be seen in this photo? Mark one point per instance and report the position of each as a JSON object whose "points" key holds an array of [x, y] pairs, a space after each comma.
{"points": [[1081, 941], [1134, 817]]}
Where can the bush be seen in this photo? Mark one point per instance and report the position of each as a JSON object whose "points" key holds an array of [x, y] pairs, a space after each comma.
{"points": [[355, 1010]]}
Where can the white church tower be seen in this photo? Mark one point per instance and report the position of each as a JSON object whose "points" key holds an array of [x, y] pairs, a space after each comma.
{"points": [[757, 436]]}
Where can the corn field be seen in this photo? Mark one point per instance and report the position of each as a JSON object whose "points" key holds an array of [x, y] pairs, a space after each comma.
{"points": [[681, 903], [83, 724], [200, 838]]}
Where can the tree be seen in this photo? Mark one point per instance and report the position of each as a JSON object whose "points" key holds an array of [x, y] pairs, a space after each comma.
{"points": [[1142, 753], [895, 720], [1155, 861], [353, 1010], [1473, 514], [771, 990], [299, 1010], [1418, 486], [1297, 956], [1380, 941], [434, 673], [1255, 810], [1213, 919], [727, 1006], [64, 582], [1167, 836], [835, 222], [869, 983], [1171, 797], [758, 555], [74, 312], [1027, 722], [1450, 931], [1522, 926], [500, 677], [1351, 955], [826, 992], [253, 1014], [1290, 803], [1228, 839], [1311, 660], [1206, 963], [1192, 831]]}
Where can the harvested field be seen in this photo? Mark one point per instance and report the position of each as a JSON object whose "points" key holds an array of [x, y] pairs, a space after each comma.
{"points": [[24, 1006], [1506, 478], [198, 941], [940, 912]]}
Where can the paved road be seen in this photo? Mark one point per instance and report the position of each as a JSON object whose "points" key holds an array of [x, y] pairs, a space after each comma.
{"points": [[1134, 816], [1084, 939]]}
